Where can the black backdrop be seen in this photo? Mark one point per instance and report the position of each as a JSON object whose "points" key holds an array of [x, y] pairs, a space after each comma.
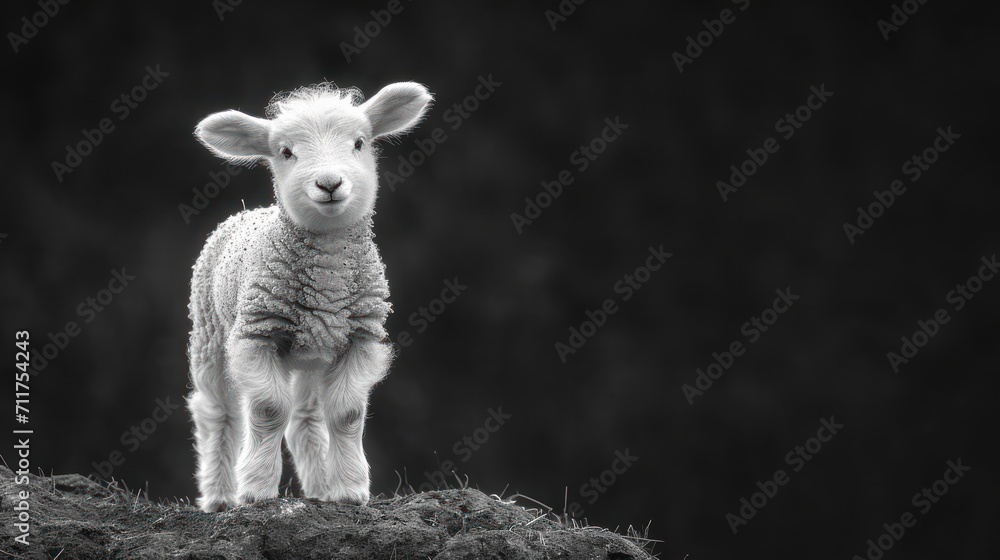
{"points": [[495, 345]]}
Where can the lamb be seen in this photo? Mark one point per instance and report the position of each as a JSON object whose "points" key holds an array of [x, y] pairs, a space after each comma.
{"points": [[288, 302]]}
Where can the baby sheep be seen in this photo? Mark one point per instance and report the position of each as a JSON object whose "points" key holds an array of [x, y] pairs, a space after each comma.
{"points": [[289, 302]]}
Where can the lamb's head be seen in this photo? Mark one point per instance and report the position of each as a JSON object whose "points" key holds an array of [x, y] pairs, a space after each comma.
{"points": [[319, 142]]}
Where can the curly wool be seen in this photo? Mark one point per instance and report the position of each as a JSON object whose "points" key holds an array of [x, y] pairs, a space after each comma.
{"points": [[299, 292], [305, 98]]}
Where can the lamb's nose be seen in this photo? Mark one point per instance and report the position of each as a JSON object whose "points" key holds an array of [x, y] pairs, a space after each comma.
{"points": [[329, 185]]}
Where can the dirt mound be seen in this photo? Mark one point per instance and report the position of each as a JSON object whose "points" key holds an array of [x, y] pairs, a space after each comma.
{"points": [[85, 520]]}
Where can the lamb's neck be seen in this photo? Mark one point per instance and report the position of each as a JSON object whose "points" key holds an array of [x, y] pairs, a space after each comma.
{"points": [[334, 242]]}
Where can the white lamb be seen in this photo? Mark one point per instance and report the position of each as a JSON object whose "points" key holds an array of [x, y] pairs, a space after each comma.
{"points": [[288, 302]]}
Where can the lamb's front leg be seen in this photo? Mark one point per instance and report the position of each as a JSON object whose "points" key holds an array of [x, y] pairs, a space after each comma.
{"points": [[306, 435], [265, 386], [349, 384]]}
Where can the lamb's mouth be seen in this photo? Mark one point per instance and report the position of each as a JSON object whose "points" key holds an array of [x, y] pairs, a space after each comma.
{"points": [[332, 207], [331, 201]]}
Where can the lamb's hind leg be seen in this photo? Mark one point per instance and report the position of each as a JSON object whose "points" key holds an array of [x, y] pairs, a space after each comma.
{"points": [[348, 386], [217, 424], [307, 436], [263, 383]]}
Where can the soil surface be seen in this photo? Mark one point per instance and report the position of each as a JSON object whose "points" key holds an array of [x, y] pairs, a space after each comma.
{"points": [[79, 519]]}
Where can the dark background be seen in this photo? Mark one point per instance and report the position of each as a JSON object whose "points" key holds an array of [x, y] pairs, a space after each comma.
{"points": [[494, 346]]}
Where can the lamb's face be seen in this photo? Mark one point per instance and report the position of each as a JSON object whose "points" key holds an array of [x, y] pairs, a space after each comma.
{"points": [[319, 145], [325, 170]]}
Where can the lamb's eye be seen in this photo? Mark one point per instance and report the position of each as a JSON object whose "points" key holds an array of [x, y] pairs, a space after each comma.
{"points": [[358, 144], [287, 152]]}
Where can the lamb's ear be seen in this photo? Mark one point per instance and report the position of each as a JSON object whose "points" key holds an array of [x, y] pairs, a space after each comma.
{"points": [[397, 108], [235, 135]]}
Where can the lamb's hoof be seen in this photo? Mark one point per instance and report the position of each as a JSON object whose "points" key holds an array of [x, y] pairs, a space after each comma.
{"points": [[214, 506], [248, 499], [354, 497]]}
